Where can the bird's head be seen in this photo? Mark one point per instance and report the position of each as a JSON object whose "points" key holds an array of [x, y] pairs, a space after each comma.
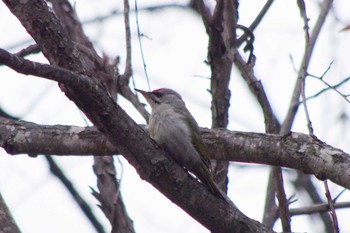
{"points": [[161, 96]]}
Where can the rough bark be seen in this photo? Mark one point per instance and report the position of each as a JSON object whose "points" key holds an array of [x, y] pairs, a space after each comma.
{"points": [[7, 223], [296, 150]]}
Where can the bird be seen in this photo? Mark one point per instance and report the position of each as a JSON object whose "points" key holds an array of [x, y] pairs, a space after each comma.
{"points": [[173, 127]]}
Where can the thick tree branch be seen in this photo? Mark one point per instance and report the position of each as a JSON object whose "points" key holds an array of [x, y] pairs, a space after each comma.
{"points": [[222, 39], [70, 22], [7, 223], [296, 150], [48, 33]]}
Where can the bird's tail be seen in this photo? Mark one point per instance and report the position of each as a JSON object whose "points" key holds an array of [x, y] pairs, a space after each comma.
{"points": [[204, 175]]}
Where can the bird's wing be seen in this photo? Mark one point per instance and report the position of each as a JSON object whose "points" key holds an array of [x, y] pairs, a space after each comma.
{"points": [[197, 140]]}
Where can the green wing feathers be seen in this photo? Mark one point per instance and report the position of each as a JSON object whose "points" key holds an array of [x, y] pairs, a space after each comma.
{"points": [[207, 178]]}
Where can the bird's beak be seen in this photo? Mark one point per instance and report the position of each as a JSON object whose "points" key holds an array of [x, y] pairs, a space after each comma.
{"points": [[142, 92], [148, 95]]}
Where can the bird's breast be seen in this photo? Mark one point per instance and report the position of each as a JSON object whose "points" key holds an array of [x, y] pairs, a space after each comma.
{"points": [[167, 124]]}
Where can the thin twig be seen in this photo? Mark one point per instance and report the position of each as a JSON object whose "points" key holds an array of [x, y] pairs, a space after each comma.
{"points": [[31, 49], [318, 208], [140, 44], [302, 9], [330, 87], [256, 21], [128, 66], [117, 12], [301, 5], [331, 207], [307, 114], [283, 204], [336, 198]]}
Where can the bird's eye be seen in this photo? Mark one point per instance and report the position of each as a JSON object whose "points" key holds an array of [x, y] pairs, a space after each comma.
{"points": [[158, 94]]}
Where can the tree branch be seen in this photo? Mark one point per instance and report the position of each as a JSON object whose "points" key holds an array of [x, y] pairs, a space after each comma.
{"points": [[294, 103], [110, 197], [84, 206], [318, 208], [7, 223], [296, 150], [256, 21], [50, 72], [304, 182], [71, 23]]}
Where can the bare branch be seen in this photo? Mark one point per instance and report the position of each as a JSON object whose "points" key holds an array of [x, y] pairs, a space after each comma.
{"points": [[271, 123], [128, 66], [270, 208], [307, 114], [256, 21], [31, 49], [117, 12], [123, 80], [331, 207], [330, 87], [110, 197], [302, 9], [200, 7], [299, 86], [318, 208], [297, 151], [294, 104], [303, 182], [282, 200], [84, 206], [7, 223], [50, 72]]}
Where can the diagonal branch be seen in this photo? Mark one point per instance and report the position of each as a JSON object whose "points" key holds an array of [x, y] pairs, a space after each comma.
{"points": [[7, 223], [255, 86], [302, 73], [110, 197], [84, 206]]}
